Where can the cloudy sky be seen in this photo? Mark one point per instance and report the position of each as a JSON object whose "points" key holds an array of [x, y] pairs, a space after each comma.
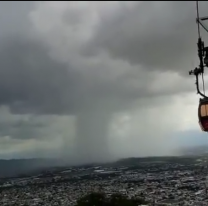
{"points": [[79, 70]]}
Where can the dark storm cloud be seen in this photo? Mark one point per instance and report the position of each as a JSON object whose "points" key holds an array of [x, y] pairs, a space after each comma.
{"points": [[93, 89], [32, 82], [157, 35], [14, 17]]}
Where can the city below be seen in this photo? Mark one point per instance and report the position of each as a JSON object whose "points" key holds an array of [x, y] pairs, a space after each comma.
{"points": [[159, 180]]}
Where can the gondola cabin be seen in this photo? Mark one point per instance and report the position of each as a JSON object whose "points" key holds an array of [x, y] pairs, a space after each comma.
{"points": [[203, 114]]}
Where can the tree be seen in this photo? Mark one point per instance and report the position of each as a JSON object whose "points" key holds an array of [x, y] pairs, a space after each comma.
{"points": [[93, 199], [118, 200], [100, 199]]}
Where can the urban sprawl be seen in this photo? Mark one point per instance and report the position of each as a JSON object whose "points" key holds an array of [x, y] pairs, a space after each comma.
{"points": [[169, 181]]}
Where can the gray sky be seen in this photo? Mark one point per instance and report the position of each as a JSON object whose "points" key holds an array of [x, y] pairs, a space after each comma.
{"points": [[127, 62]]}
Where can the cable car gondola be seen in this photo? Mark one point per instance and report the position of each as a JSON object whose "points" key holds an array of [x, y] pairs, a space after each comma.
{"points": [[203, 62], [203, 114]]}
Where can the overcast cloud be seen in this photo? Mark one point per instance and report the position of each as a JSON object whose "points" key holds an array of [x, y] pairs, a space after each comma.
{"points": [[109, 79]]}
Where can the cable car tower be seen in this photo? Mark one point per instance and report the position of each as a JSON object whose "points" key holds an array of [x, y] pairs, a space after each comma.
{"points": [[203, 62]]}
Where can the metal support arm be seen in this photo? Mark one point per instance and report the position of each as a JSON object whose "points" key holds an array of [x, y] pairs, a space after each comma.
{"points": [[201, 54]]}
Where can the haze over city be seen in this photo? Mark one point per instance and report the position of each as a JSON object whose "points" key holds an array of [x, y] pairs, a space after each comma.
{"points": [[98, 81]]}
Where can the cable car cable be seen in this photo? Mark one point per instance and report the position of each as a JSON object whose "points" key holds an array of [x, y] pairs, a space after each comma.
{"points": [[199, 36], [203, 84], [197, 10]]}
